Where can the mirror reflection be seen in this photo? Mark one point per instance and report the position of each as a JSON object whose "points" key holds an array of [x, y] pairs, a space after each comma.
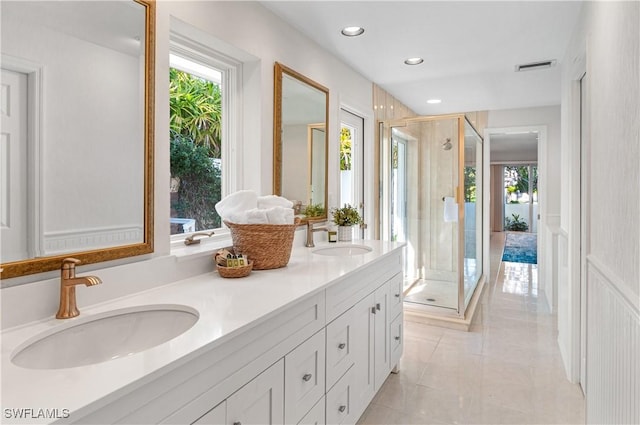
{"points": [[75, 139], [300, 141]]}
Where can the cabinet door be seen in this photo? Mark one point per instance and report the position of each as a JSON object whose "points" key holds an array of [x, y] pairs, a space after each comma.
{"points": [[215, 416], [381, 338], [261, 401], [363, 321], [396, 340], [304, 377], [341, 407], [340, 346]]}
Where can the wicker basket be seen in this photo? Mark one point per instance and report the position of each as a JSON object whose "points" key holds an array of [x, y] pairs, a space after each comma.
{"points": [[233, 272], [267, 245]]}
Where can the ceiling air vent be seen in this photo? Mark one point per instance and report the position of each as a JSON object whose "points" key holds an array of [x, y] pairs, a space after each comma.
{"points": [[535, 65]]}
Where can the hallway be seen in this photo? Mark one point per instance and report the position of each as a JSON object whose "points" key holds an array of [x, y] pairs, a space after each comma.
{"points": [[506, 370]]}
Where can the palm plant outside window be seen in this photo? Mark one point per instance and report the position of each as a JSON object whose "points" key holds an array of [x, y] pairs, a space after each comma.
{"points": [[195, 121]]}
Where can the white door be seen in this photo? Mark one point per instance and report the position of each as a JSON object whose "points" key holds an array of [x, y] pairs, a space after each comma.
{"points": [[13, 166], [363, 349], [381, 336], [352, 162]]}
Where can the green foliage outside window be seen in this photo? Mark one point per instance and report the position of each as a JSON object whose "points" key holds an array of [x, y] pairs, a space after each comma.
{"points": [[195, 108], [200, 183], [345, 149], [470, 184], [515, 224]]}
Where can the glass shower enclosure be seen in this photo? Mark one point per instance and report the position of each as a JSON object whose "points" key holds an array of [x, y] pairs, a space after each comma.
{"points": [[432, 200]]}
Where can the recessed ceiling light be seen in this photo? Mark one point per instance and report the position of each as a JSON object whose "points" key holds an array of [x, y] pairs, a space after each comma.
{"points": [[352, 31], [414, 61], [434, 101]]}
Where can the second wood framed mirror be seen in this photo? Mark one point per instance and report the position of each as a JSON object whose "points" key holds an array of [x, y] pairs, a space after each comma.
{"points": [[300, 141]]}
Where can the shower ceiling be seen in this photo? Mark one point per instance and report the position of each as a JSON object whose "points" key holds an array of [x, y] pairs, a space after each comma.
{"points": [[470, 49]]}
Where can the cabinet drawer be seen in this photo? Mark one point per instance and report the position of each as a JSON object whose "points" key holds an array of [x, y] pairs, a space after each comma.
{"points": [[215, 416], [396, 340], [315, 415], [348, 291], [304, 377], [340, 346], [340, 401], [395, 295]]}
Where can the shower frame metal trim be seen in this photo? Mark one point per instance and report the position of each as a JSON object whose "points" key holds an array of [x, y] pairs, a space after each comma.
{"points": [[384, 176]]}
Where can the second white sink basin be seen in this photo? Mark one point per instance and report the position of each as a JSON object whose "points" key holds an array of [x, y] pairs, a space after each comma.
{"points": [[105, 337], [343, 250]]}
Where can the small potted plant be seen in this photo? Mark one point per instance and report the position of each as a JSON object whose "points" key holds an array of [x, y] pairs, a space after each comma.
{"points": [[346, 217]]}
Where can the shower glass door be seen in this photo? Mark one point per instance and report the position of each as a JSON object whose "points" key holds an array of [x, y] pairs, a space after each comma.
{"points": [[422, 162], [432, 201]]}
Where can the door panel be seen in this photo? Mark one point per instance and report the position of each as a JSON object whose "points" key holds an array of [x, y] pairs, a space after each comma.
{"points": [[13, 166]]}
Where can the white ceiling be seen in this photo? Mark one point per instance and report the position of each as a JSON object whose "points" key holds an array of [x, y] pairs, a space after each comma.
{"points": [[470, 48]]}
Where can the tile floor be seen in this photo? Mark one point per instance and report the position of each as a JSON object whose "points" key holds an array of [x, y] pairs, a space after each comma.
{"points": [[506, 370]]}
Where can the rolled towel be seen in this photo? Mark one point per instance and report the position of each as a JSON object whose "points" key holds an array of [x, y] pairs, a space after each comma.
{"points": [[450, 210], [257, 216], [289, 216], [280, 215], [236, 203], [270, 201]]}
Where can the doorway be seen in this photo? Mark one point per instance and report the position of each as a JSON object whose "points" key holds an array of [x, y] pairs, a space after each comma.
{"points": [[519, 147]]}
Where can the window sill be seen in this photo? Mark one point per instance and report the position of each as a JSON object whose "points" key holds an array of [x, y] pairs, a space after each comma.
{"points": [[206, 247]]}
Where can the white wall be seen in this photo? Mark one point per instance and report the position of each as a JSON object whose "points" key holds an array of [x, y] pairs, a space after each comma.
{"points": [[609, 33], [295, 174], [548, 116], [263, 38], [83, 85]]}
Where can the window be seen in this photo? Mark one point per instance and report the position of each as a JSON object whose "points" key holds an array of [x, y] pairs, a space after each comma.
{"points": [[202, 117]]}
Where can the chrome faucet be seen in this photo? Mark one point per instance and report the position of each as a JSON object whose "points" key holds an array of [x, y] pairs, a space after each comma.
{"points": [[311, 229], [68, 282]]}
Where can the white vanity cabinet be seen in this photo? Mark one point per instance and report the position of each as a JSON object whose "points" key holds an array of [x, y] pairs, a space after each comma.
{"points": [[366, 330], [317, 360]]}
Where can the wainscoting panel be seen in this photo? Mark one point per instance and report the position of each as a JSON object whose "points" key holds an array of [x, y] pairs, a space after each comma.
{"points": [[87, 239], [613, 350]]}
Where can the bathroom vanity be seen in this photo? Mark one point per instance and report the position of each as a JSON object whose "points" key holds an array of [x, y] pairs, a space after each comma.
{"points": [[310, 343]]}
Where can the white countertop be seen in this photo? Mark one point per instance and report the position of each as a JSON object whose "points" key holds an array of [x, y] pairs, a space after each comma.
{"points": [[226, 308]]}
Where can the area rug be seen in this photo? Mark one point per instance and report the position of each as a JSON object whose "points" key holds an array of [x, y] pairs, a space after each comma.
{"points": [[521, 248]]}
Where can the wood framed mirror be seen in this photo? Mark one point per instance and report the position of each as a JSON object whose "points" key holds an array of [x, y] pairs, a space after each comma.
{"points": [[300, 141], [83, 74]]}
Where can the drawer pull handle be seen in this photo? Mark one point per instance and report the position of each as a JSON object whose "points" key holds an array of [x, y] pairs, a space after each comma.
{"points": [[237, 423], [373, 310], [342, 408], [397, 338], [342, 345], [397, 295], [306, 377], [378, 306]]}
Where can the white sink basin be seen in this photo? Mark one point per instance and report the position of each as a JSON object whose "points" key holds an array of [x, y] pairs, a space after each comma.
{"points": [[343, 250], [105, 337]]}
